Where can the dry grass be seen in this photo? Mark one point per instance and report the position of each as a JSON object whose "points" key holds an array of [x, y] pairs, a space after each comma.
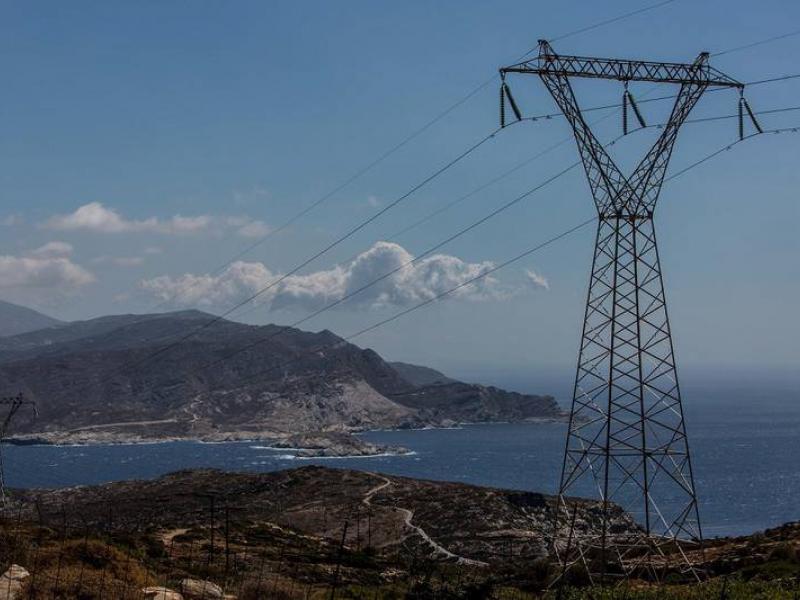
{"points": [[86, 570]]}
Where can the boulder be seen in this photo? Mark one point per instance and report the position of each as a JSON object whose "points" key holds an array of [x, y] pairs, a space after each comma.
{"points": [[12, 581], [160, 593], [198, 589]]}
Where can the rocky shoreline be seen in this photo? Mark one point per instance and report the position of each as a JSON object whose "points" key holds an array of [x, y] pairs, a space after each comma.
{"points": [[320, 444]]}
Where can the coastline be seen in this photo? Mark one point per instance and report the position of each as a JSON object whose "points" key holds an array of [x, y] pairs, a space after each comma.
{"points": [[77, 438]]}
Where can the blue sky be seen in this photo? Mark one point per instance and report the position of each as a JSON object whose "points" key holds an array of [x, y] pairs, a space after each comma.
{"points": [[141, 142]]}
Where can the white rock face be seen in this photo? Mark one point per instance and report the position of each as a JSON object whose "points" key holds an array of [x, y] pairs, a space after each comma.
{"points": [[161, 593], [11, 582], [197, 589]]}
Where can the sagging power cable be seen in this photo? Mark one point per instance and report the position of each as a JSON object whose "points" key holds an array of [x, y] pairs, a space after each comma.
{"points": [[410, 264], [345, 236], [486, 273]]}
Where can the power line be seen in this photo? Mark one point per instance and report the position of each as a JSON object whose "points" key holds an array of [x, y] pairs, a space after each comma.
{"points": [[407, 264], [549, 149], [346, 236], [406, 140], [369, 220], [609, 21], [369, 166], [758, 43], [503, 208], [548, 116], [357, 175], [502, 265], [708, 157], [459, 199], [755, 112], [410, 263], [351, 232]]}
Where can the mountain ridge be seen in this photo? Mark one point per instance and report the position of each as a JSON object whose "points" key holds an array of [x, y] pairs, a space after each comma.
{"points": [[16, 319], [95, 381]]}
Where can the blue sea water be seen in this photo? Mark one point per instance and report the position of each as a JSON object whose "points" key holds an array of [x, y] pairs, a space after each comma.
{"points": [[745, 442]]}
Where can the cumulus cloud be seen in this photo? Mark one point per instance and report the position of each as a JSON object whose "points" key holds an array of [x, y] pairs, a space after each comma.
{"points": [[429, 278], [98, 218], [56, 274], [536, 280], [239, 280]]}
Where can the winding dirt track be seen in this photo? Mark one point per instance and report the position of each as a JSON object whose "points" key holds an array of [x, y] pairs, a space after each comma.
{"points": [[408, 516]]}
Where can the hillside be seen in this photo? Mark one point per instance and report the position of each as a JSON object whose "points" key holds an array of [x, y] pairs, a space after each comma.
{"points": [[442, 519], [317, 533], [288, 535], [95, 381], [15, 319]]}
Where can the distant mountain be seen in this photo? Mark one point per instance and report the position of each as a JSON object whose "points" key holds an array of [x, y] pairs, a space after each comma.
{"points": [[97, 381], [15, 319]]}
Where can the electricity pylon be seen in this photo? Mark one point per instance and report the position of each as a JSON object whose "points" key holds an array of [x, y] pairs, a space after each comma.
{"points": [[626, 445]]}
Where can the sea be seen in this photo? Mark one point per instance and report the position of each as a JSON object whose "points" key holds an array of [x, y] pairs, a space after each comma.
{"points": [[744, 436]]}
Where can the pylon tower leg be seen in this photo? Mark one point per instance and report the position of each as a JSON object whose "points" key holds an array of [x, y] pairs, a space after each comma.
{"points": [[627, 443]]}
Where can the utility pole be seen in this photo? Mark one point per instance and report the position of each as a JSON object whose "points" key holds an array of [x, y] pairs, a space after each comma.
{"points": [[626, 446], [14, 403]]}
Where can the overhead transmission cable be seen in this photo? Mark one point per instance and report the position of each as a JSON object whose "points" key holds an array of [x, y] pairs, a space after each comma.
{"points": [[345, 236], [758, 43], [336, 242], [610, 21], [373, 217], [412, 263], [369, 166], [642, 100], [410, 137], [472, 193], [486, 273]]}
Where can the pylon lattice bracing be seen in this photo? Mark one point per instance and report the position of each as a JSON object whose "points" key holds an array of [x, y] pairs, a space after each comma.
{"points": [[627, 444]]}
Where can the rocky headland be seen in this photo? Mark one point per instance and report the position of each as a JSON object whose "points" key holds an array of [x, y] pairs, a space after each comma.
{"points": [[97, 382]]}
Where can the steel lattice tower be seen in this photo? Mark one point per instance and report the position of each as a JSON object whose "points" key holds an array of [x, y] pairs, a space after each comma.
{"points": [[626, 444]]}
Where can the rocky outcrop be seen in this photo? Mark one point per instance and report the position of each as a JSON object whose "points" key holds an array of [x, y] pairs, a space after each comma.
{"points": [[161, 593], [197, 589], [12, 582], [332, 444]]}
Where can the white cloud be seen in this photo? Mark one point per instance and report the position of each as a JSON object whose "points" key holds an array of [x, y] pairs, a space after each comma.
{"points": [[373, 201], [153, 250], [536, 280], [119, 261], [48, 273], [98, 218], [247, 227], [53, 250], [237, 281], [409, 285]]}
